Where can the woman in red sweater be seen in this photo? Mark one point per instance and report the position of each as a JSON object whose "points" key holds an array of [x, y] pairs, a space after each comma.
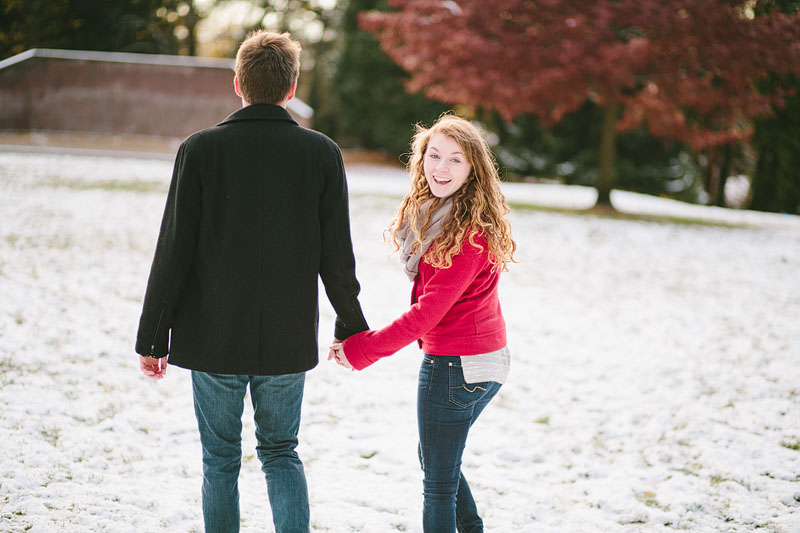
{"points": [[454, 241]]}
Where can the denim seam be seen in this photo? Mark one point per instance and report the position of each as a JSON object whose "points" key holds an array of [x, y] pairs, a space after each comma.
{"points": [[427, 410]]}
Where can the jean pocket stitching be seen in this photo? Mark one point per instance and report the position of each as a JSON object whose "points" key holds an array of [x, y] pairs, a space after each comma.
{"points": [[458, 384], [456, 401]]}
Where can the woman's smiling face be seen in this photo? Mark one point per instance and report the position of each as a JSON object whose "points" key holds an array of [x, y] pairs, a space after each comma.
{"points": [[446, 168]]}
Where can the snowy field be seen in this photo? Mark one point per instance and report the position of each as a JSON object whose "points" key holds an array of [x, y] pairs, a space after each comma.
{"points": [[655, 384]]}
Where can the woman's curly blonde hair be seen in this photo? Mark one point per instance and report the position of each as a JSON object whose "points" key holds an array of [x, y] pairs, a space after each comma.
{"points": [[479, 206]]}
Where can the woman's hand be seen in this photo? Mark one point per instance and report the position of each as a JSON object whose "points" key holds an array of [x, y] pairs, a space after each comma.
{"points": [[337, 352]]}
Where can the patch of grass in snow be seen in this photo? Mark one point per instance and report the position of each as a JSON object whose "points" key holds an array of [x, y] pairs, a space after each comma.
{"points": [[59, 242], [12, 239], [543, 420], [45, 242], [7, 365], [690, 470], [107, 412], [792, 445], [51, 435], [717, 480], [108, 185], [649, 499], [377, 194], [9, 370], [619, 215]]}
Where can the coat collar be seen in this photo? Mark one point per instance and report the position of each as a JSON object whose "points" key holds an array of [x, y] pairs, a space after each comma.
{"points": [[259, 112]]}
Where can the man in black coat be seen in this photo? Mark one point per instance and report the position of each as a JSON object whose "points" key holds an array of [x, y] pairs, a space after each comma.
{"points": [[257, 210]]}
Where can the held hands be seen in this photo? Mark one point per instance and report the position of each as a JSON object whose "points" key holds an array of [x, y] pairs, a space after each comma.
{"points": [[337, 353]]}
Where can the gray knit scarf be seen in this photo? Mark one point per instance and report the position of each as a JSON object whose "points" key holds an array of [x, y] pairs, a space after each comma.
{"points": [[438, 218]]}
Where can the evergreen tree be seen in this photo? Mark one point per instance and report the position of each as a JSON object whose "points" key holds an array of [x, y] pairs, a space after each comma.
{"points": [[146, 26], [375, 112], [568, 151], [776, 182]]}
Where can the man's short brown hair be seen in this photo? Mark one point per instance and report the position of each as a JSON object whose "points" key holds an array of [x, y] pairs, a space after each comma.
{"points": [[267, 65]]}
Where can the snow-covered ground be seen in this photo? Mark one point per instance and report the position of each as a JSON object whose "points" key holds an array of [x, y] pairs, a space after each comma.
{"points": [[655, 384]]}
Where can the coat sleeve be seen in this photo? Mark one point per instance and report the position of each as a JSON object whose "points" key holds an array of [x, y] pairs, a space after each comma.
{"points": [[174, 254], [337, 263], [444, 288]]}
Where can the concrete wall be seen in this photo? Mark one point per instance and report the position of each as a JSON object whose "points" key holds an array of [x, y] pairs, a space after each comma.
{"points": [[118, 94]]}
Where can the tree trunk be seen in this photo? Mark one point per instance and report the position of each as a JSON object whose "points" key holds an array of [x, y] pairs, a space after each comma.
{"points": [[724, 170], [712, 175], [719, 166], [191, 20], [765, 181], [605, 175]]}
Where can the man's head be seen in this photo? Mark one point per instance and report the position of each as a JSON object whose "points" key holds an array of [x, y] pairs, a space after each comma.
{"points": [[267, 67]]}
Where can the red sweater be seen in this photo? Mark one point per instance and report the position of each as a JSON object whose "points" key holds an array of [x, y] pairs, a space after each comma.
{"points": [[454, 311]]}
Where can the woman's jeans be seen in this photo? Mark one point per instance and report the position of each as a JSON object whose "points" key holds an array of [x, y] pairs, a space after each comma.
{"points": [[446, 409], [219, 404]]}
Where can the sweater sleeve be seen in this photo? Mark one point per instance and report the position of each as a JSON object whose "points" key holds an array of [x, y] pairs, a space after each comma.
{"points": [[444, 288]]}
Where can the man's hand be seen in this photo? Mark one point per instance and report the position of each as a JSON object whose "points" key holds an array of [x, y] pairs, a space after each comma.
{"points": [[337, 352], [153, 367], [331, 354]]}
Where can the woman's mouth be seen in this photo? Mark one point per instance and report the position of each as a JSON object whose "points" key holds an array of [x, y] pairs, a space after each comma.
{"points": [[441, 181]]}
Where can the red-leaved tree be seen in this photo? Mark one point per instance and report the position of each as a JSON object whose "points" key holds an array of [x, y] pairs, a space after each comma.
{"points": [[686, 69]]}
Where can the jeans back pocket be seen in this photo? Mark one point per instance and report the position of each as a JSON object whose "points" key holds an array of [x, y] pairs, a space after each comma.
{"points": [[464, 394]]}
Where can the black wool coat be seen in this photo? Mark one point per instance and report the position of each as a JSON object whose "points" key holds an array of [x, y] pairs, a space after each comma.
{"points": [[257, 211]]}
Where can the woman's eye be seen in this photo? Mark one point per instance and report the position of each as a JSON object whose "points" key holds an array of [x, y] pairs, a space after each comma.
{"points": [[455, 161]]}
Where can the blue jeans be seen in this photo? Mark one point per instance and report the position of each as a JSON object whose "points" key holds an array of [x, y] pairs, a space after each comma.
{"points": [[219, 404], [446, 409]]}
